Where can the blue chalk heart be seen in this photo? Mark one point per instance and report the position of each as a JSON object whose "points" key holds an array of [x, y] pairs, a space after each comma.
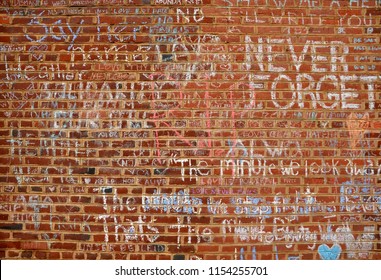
{"points": [[327, 253]]}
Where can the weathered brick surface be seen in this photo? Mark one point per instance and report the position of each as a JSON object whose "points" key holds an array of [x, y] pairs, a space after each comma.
{"points": [[190, 129]]}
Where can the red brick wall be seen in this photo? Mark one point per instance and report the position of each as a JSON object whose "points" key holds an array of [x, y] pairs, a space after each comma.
{"points": [[196, 129]]}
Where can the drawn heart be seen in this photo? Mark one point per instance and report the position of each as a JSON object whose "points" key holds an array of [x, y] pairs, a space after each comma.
{"points": [[35, 50], [327, 253], [87, 180]]}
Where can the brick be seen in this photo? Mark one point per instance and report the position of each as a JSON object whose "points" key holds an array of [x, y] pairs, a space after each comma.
{"points": [[41, 255], [26, 254], [91, 256], [4, 235], [34, 246], [63, 246], [25, 236], [11, 226], [13, 254], [136, 257], [54, 255], [67, 255], [105, 256], [183, 249], [77, 237]]}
